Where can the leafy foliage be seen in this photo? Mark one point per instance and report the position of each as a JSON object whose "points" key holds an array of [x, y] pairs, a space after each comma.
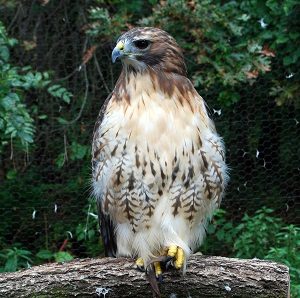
{"points": [[86, 232], [256, 234], [60, 256], [16, 119], [287, 251], [14, 259], [233, 42], [261, 235], [227, 43]]}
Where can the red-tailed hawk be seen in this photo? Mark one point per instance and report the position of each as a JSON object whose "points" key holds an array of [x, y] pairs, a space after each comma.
{"points": [[158, 164]]}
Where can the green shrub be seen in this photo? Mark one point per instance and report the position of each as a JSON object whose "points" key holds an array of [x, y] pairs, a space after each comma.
{"points": [[287, 251], [261, 235], [16, 118], [14, 258], [256, 234]]}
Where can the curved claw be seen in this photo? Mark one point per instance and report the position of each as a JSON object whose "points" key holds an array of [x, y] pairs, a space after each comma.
{"points": [[140, 264], [177, 253], [173, 255]]}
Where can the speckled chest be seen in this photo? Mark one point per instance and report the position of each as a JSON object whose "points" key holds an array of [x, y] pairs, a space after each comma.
{"points": [[153, 151]]}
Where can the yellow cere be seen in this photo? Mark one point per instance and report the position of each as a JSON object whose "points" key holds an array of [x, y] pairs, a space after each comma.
{"points": [[120, 45]]}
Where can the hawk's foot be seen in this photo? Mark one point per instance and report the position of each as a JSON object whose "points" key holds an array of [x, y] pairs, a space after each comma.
{"points": [[177, 254], [157, 267], [158, 271], [172, 255], [140, 264]]}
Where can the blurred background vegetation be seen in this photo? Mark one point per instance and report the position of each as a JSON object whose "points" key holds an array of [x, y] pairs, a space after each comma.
{"points": [[55, 72]]}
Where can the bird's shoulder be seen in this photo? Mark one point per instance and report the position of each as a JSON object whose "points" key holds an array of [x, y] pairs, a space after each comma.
{"points": [[102, 113]]}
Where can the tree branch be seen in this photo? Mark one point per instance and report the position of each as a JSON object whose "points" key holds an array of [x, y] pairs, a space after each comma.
{"points": [[108, 277]]}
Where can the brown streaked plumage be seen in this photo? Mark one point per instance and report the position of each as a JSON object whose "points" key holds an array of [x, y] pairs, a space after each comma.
{"points": [[158, 164]]}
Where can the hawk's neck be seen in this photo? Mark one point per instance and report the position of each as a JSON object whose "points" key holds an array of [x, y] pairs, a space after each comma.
{"points": [[150, 83]]}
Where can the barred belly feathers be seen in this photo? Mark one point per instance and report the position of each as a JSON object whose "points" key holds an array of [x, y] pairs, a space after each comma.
{"points": [[158, 164]]}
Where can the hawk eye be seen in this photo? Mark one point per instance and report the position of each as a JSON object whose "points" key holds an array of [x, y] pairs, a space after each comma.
{"points": [[141, 43]]}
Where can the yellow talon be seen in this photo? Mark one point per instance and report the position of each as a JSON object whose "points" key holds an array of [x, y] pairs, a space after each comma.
{"points": [[157, 268], [178, 254], [179, 258], [172, 250], [139, 262]]}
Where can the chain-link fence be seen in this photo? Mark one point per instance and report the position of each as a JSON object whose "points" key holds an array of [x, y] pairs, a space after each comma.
{"points": [[45, 191]]}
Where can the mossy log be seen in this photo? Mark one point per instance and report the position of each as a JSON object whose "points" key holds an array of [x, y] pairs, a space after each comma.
{"points": [[206, 276]]}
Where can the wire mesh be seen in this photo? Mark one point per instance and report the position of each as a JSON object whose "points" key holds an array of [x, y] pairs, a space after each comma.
{"points": [[45, 192]]}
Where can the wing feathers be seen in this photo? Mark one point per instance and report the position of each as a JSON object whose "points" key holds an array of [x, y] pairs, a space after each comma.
{"points": [[107, 231]]}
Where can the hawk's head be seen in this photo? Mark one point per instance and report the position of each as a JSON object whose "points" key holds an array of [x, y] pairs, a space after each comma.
{"points": [[142, 48]]}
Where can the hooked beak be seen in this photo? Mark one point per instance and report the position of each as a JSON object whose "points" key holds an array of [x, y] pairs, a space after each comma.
{"points": [[118, 51]]}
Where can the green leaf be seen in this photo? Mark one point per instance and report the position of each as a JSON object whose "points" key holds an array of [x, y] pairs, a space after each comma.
{"points": [[228, 98], [80, 232], [9, 101], [53, 88], [45, 254], [63, 256], [62, 121], [25, 137], [211, 229], [78, 151], [12, 42], [60, 92], [67, 97], [60, 160], [42, 117], [11, 263], [282, 38], [91, 234], [4, 53], [220, 234], [11, 174]]}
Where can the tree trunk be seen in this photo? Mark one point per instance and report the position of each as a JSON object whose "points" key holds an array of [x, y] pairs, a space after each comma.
{"points": [[108, 277]]}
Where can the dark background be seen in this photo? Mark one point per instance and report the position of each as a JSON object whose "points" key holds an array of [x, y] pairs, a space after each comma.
{"points": [[243, 58]]}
